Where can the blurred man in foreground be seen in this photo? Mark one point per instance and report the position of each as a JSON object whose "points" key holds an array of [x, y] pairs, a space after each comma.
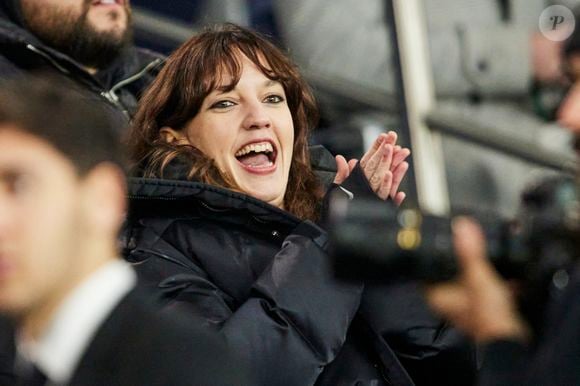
{"points": [[80, 318], [88, 41]]}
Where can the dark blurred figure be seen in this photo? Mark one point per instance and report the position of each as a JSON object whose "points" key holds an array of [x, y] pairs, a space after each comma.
{"points": [[481, 304], [87, 41], [79, 317], [6, 353], [568, 113]]}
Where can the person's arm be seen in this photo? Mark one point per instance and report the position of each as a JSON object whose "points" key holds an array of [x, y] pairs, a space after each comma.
{"points": [[294, 320], [480, 304]]}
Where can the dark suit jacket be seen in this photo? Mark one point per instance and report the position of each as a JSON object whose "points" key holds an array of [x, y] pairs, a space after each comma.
{"points": [[6, 352], [137, 345]]}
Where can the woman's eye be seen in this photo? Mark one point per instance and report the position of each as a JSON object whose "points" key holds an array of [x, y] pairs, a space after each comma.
{"points": [[222, 104], [274, 99]]}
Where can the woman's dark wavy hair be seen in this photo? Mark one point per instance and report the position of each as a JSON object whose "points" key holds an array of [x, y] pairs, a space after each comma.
{"points": [[191, 73]]}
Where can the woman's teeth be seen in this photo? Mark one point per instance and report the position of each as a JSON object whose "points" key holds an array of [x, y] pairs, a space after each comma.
{"points": [[264, 147], [106, 2]]}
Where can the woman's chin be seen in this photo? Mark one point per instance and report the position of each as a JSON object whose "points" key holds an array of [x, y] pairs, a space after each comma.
{"points": [[264, 192], [269, 188]]}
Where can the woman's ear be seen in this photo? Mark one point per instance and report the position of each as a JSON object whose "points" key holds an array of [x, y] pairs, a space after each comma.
{"points": [[173, 136]]}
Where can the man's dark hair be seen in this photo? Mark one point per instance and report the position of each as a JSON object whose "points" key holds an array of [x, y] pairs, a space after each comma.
{"points": [[72, 121]]}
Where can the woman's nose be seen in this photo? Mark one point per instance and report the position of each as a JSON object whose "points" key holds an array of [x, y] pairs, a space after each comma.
{"points": [[257, 117]]}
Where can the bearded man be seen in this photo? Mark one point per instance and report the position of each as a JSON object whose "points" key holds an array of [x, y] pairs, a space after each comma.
{"points": [[88, 41]]}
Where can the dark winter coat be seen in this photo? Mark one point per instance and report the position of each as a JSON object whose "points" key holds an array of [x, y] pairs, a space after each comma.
{"points": [[119, 85], [264, 278]]}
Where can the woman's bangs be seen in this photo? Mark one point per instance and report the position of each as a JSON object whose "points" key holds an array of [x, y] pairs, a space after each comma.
{"points": [[222, 72]]}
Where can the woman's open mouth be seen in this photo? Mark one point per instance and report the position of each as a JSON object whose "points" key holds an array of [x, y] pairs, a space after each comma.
{"points": [[258, 157], [108, 2]]}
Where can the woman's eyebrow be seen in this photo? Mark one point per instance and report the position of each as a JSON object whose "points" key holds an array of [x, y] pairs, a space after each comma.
{"points": [[224, 89], [271, 82]]}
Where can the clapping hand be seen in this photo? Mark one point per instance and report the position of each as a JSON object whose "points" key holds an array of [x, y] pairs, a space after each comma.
{"points": [[383, 165]]}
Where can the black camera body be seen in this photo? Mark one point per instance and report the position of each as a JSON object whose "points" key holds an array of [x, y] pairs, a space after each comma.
{"points": [[373, 240]]}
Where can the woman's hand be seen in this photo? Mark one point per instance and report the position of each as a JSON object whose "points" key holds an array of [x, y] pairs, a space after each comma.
{"points": [[383, 165]]}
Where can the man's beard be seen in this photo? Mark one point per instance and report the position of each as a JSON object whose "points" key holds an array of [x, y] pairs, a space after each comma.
{"points": [[75, 36]]}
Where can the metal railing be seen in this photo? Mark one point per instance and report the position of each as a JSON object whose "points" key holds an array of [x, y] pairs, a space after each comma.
{"points": [[166, 29]]}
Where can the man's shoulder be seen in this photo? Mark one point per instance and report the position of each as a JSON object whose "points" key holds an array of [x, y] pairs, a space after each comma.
{"points": [[6, 352]]}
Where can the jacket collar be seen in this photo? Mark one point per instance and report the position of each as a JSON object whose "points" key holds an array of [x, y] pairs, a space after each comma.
{"points": [[191, 197], [12, 25]]}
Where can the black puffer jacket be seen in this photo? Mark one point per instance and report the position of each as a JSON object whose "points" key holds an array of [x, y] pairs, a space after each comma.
{"points": [[264, 278], [120, 84]]}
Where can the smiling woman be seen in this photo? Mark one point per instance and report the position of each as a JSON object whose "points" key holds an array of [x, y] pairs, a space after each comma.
{"points": [[222, 94], [222, 219]]}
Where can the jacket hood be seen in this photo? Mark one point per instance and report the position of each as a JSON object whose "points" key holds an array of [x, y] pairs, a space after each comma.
{"points": [[154, 199], [148, 193], [13, 29], [10, 10]]}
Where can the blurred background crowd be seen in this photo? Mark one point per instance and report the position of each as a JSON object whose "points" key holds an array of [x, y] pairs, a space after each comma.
{"points": [[490, 65]]}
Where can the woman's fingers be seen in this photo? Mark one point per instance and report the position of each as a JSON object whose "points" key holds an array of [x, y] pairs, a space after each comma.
{"points": [[388, 138], [398, 175], [391, 138], [378, 166], [399, 155], [375, 148], [385, 188], [384, 166], [399, 198], [352, 164], [342, 170]]}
